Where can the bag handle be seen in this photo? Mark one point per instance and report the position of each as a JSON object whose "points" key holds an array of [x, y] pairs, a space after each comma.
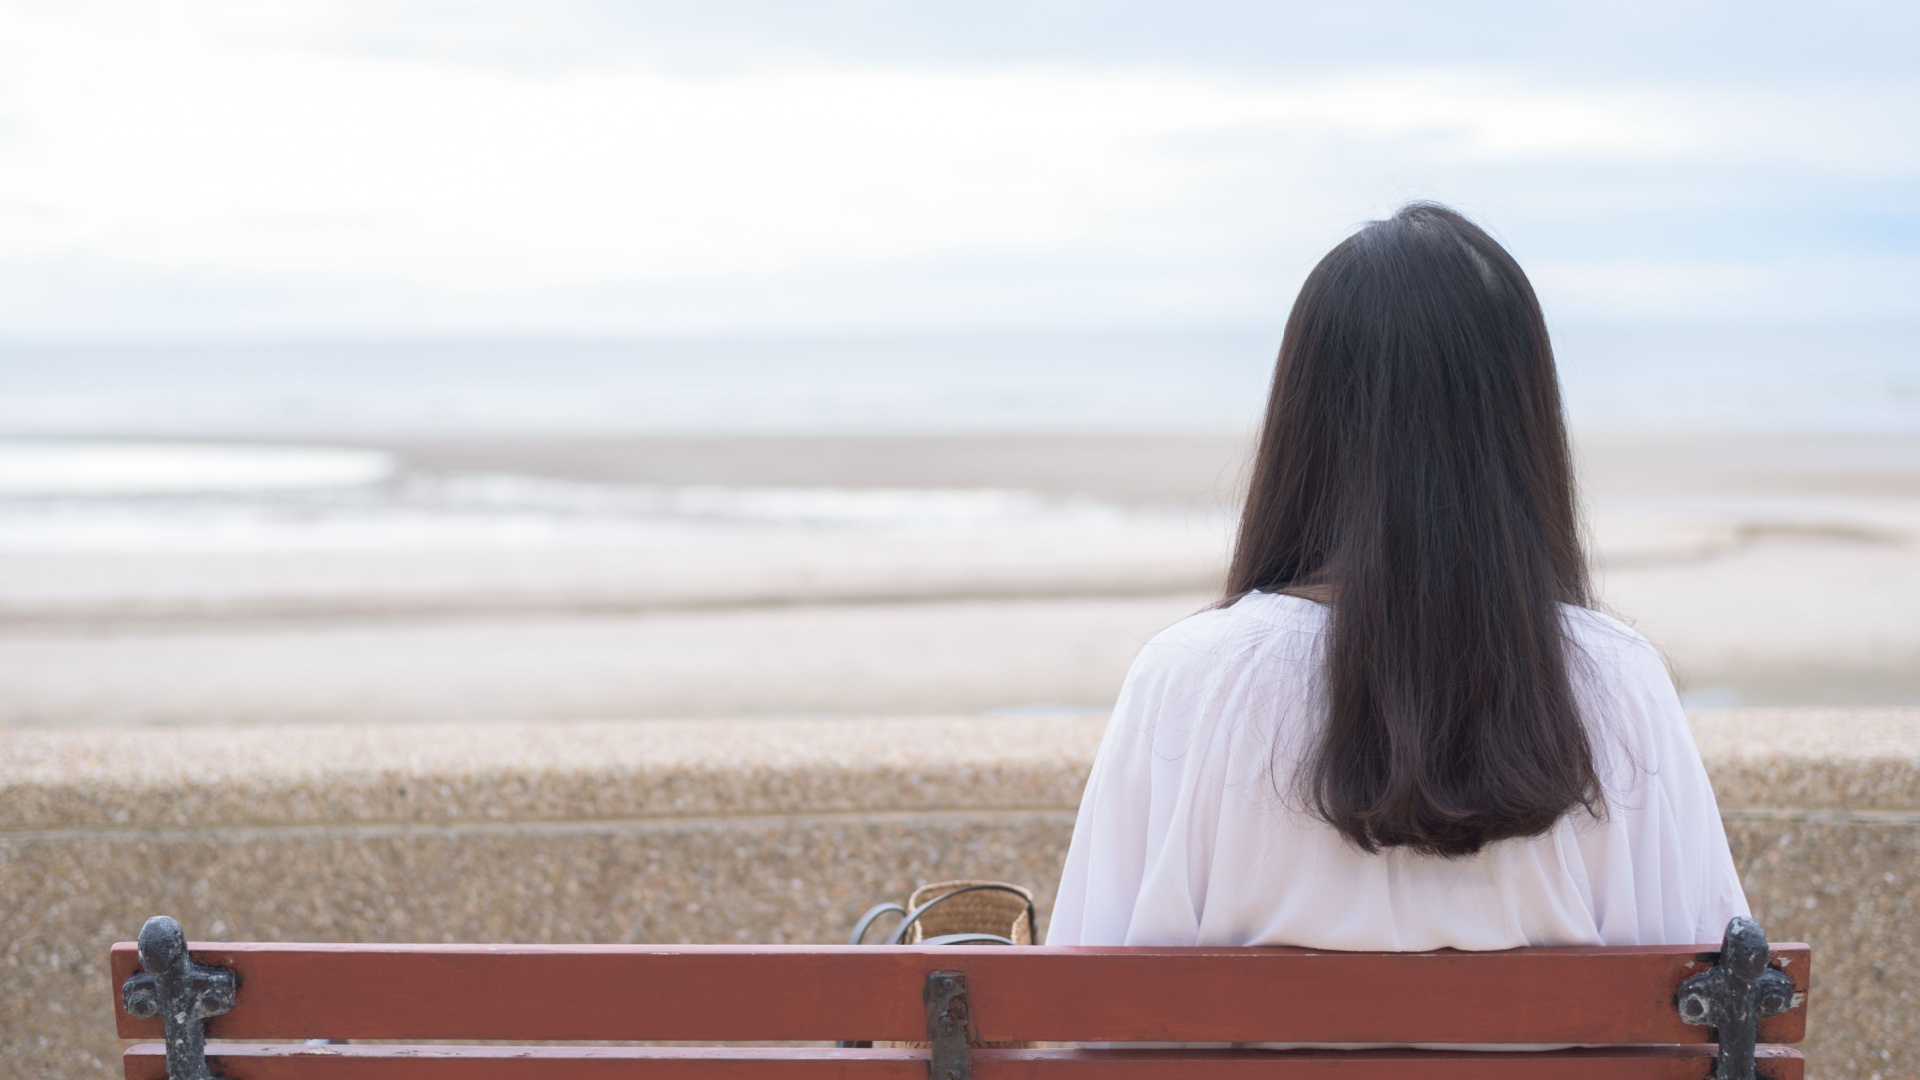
{"points": [[859, 935]]}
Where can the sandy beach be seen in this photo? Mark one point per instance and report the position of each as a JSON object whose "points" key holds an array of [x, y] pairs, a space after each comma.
{"points": [[890, 575]]}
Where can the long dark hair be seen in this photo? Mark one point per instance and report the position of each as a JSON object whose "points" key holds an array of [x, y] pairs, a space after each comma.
{"points": [[1414, 471]]}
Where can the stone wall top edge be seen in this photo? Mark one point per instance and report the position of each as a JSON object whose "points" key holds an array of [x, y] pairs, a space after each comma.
{"points": [[1813, 758], [315, 774], [310, 774]]}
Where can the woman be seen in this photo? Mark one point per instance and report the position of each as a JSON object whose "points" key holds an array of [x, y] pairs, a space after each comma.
{"points": [[1404, 728]]}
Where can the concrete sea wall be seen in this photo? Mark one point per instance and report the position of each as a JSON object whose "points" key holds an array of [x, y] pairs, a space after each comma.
{"points": [[766, 830]]}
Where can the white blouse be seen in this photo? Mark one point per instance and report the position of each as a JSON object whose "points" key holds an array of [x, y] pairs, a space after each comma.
{"points": [[1185, 838]]}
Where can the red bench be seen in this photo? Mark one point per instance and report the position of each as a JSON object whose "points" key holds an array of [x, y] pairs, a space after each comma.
{"points": [[1630, 1012]]}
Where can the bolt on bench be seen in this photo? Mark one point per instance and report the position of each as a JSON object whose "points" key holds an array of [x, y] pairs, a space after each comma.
{"points": [[1668, 1012]]}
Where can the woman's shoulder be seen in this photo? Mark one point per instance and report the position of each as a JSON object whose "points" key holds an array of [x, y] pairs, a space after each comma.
{"points": [[1221, 686], [1605, 643], [1258, 627], [1595, 623], [1629, 698]]}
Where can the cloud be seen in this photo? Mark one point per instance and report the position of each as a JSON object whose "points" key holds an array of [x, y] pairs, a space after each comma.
{"points": [[254, 172]]}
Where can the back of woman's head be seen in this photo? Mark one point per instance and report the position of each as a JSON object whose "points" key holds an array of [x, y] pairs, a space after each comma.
{"points": [[1414, 465]]}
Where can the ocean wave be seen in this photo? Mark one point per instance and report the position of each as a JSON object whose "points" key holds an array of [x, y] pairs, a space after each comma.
{"points": [[131, 496], [82, 468]]}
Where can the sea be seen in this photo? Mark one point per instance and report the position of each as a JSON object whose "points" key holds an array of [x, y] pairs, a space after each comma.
{"points": [[252, 444]]}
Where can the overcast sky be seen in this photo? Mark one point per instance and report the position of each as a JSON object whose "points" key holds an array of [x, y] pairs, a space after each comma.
{"points": [[415, 168]]}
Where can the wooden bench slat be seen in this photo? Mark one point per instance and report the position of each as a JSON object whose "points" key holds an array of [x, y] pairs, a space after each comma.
{"points": [[715, 993], [391, 1062], [281, 1061]]}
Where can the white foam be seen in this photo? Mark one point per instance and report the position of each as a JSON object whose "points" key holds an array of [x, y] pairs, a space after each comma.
{"points": [[480, 511], [88, 468], [882, 507]]}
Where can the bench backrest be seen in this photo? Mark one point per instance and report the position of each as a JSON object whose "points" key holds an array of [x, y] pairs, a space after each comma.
{"points": [[1619, 997]]}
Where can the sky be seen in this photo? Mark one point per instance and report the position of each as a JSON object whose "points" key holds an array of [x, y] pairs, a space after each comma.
{"points": [[570, 167]]}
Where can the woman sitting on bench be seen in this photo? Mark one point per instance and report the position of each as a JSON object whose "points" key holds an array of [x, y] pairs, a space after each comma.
{"points": [[1406, 727]]}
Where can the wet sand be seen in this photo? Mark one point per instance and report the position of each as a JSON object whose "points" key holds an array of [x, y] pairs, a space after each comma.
{"points": [[1769, 569], [1131, 470]]}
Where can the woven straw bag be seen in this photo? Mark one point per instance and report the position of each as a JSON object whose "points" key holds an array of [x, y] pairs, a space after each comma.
{"points": [[957, 913], [1001, 909]]}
